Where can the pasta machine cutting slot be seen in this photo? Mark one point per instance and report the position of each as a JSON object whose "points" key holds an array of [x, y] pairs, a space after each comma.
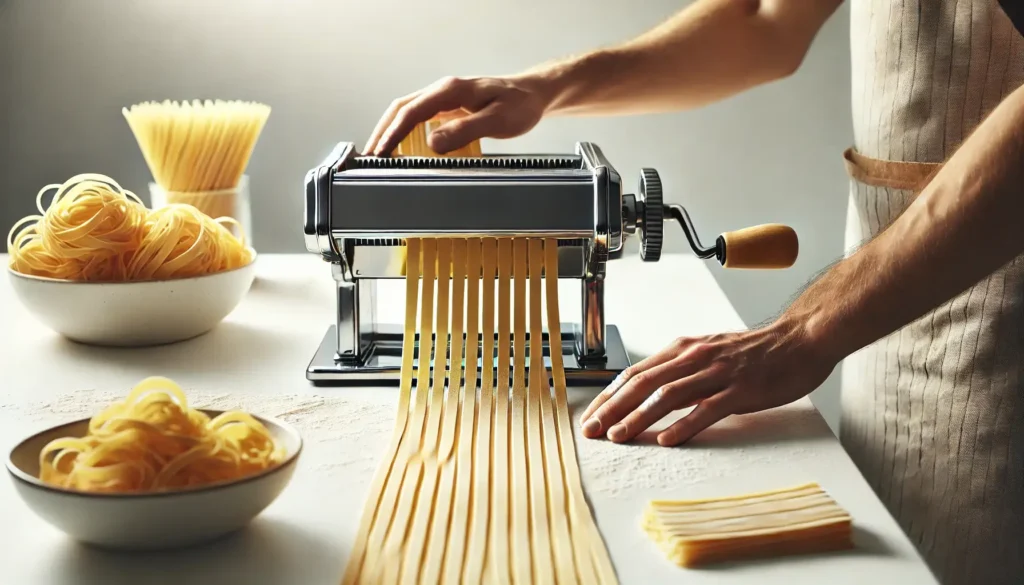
{"points": [[360, 209]]}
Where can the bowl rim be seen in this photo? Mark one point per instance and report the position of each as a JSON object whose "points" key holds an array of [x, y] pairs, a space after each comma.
{"points": [[16, 274], [19, 475]]}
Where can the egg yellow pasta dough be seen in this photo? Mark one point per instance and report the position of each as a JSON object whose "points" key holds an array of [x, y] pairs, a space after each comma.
{"points": [[480, 482], [154, 441], [415, 143], [93, 230], [797, 520]]}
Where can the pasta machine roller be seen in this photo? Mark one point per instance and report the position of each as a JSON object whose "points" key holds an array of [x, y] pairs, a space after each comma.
{"points": [[359, 210]]}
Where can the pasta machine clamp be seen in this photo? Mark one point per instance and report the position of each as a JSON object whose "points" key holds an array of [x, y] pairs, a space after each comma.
{"points": [[359, 210]]}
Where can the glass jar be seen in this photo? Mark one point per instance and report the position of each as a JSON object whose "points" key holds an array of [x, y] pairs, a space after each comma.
{"points": [[233, 203]]}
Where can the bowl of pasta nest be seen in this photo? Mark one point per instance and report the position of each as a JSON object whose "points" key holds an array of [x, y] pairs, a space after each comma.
{"points": [[98, 267], [151, 472]]}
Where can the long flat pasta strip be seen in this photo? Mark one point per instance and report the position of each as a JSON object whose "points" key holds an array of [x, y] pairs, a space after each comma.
{"points": [[441, 532], [458, 270], [404, 397], [560, 542], [417, 501], [477, 550], [540, 534], [500, 481], [387, 505], [520, 486], [598, 568], [468, 424]]}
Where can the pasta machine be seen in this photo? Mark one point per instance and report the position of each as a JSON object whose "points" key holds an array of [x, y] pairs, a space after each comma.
{"points": [[359, 209]]}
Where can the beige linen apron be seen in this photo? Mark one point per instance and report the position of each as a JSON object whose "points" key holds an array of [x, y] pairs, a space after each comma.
{"points": [[933, 415]]}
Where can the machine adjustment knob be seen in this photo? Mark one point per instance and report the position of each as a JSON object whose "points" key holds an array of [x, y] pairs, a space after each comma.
{"points": [[651, 215]]}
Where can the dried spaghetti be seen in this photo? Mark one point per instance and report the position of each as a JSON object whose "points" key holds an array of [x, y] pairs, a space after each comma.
{"points": [[93, 230], [153, 441], [193, 147], [198, 151]]}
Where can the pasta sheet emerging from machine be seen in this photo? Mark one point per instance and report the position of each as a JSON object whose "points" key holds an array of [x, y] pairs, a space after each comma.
{"points": [[480, 482]]}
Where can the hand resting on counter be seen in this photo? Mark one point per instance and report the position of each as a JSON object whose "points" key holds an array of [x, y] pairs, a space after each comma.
{"points": [[721, 375]]}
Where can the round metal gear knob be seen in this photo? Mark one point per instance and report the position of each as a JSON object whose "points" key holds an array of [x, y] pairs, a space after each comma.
{"points": [[651, 220]]}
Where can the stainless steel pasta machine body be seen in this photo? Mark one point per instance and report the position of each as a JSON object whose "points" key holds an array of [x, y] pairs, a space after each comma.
{"points": [[359, 210]]}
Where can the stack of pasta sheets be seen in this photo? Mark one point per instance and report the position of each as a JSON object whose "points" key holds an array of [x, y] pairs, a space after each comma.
{"points": [[480, 483], [798, 520]]}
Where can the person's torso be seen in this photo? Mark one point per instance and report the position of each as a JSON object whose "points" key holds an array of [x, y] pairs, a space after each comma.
{"points": [[933, 414], [926, 72]]}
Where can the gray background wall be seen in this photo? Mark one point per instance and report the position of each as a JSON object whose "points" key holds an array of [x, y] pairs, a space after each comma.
{"points": [[329, 67]]}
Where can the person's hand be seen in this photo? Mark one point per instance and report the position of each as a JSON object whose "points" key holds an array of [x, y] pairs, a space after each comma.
{"points": [[721, 375], [492, 107]]}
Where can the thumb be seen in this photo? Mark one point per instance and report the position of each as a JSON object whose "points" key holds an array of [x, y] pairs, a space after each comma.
{"points": [[461, 131]]}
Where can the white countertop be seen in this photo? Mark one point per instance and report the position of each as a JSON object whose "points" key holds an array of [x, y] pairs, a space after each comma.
{"points": [[256, 360]]}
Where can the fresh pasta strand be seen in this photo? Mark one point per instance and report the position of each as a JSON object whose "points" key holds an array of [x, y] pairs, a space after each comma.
{"points": [[478, 550], [523, 560], [94, 230], [154, 441], [460, 540]]}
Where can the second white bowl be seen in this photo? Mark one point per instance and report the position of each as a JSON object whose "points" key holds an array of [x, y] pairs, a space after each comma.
{"points": [[151, 312], [150, 521]]}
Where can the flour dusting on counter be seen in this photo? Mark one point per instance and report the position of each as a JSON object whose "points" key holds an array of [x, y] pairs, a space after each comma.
{"points": [[725, 451]]}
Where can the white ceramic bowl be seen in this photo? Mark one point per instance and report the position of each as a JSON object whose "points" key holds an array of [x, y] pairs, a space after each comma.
{"points": [[150, 521], [140, 313]]}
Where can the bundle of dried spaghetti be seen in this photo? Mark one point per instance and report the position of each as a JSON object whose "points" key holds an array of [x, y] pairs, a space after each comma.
{"points": [[154, 441], [198, 151], [93, 230]]}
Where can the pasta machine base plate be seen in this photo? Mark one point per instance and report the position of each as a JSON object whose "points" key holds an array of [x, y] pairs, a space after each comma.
{"points": [[383, 364]]}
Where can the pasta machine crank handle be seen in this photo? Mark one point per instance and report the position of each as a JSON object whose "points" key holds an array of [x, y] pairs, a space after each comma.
{"points": [[765, 246]]}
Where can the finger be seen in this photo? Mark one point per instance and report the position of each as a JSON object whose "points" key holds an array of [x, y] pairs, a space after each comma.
{"points": [[620, 381], [676, 395], [461, 131], [487, 123], [703, 416], [445, 96], [632, 394], [385, 121]]}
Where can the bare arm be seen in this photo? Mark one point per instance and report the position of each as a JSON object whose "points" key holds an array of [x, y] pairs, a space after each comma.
{"points": [[962, 227], [708, 51]]}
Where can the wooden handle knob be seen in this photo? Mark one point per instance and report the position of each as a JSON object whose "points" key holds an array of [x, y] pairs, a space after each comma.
{"points": [[770, 245]]}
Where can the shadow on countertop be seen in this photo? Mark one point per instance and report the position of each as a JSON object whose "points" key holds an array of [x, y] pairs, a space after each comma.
{"points": [[866, 543], [231, 345], [267, 552]]}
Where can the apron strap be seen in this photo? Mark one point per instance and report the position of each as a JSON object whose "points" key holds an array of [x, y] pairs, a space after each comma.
{"points": [[911, 176]]}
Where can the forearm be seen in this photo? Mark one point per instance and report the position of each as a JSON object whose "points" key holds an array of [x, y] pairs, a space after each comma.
{"points": [[962, 227], [709, 51]]}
